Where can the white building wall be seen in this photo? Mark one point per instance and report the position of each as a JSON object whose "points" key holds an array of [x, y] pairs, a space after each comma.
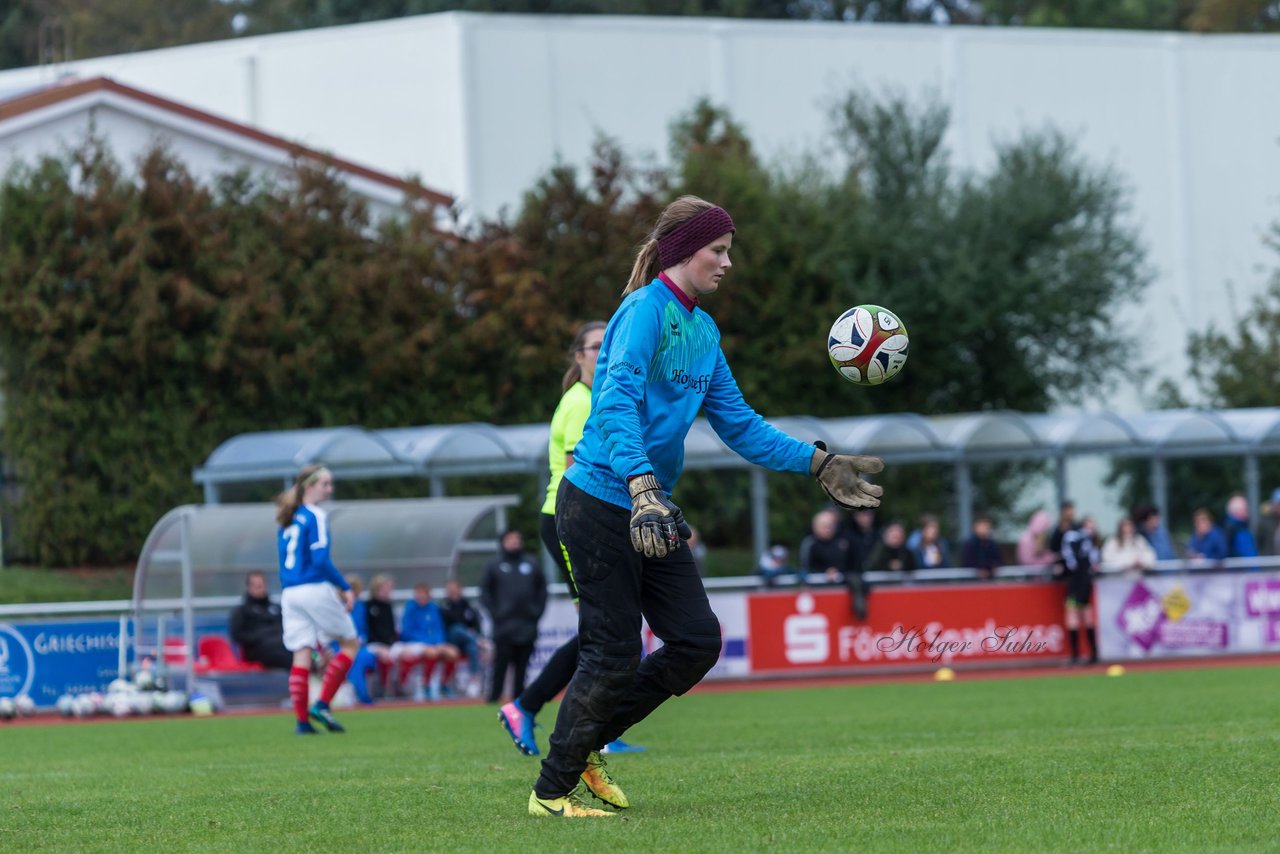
{"points": [[480, 106]]}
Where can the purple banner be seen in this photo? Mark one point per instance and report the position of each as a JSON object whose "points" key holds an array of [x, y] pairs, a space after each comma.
{"points": [[1175, 615]]}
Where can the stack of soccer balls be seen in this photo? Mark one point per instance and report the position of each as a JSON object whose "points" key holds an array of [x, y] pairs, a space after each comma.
{"points": [[20, 706], [143, 695]]}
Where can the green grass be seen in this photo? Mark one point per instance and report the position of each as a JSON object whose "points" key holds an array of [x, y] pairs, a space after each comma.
{"points": [[1154, 761], [20, 585]]}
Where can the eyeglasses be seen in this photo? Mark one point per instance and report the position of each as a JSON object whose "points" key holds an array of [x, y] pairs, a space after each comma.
{"points": [[589, 347]]}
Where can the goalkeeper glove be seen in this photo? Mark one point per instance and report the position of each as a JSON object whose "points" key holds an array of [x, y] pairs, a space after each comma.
{"points": [[839, 475], [655, 521]]}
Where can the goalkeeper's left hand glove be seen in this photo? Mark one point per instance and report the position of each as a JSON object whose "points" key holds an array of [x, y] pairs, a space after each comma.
{"points": [[840, 476]]}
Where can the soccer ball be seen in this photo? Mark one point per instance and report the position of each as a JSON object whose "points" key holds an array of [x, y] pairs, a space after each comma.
{"points": [[7, 708], [25, 705], [65, 705], [175, 702], [868, 344]]}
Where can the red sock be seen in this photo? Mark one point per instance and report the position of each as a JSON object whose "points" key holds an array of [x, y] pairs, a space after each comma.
{"points": [[447, 675], [298, 688], [406, 667], [333, 676], [384, 674], [428, 667]]}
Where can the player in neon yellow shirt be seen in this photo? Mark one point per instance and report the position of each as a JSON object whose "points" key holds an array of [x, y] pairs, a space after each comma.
{"points": [[517, 717]]}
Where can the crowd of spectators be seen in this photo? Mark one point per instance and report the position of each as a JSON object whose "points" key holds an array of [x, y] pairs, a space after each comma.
{"points": [[841, 547]]}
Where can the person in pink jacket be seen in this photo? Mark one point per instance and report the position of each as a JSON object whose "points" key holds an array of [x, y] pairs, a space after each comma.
{"points": [[1033, 544]]}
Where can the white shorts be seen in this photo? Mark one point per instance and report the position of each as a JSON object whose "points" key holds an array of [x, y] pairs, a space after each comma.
{"points": [[313, 615], [411, 650]]}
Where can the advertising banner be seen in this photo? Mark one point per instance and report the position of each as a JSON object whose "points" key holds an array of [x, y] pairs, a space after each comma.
{"points": [[46, 660], [731, 608], [907, 626], [1188, 615], [560, 622]]}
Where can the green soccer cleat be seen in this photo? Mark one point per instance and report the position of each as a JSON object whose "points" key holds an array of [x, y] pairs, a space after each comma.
{"points": [[569, 806], [320, 711], [601, 784]]}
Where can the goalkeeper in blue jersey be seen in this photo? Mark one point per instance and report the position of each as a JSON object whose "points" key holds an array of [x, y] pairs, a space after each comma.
{"points": [[660, 363], [315, 600]]}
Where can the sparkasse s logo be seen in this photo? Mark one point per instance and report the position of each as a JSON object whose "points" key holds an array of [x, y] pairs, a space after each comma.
{"points": [[806, 635]]}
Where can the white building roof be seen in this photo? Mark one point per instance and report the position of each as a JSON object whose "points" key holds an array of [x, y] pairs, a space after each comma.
{"points": [[39, 120]]}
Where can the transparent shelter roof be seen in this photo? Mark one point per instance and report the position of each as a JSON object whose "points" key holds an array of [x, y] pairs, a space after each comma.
{"points": [[412, 540], [463, 449]]}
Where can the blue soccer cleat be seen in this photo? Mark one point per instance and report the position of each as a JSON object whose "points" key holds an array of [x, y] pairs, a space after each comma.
{"points": [[519, 725], [305, 728], [620, 746]]}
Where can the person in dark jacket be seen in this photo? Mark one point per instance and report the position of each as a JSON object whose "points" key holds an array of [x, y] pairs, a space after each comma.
{"points": [[826, 550], [381, 634], [257, 627], [514, 592], [864, 537], [981, 551], [892, 554], [462, 629]]}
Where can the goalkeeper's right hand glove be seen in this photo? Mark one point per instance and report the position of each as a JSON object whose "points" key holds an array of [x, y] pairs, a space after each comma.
{"points": [[840, 476], [655, 521]]}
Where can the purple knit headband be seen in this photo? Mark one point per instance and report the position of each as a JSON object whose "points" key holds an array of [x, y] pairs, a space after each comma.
{"points": [[681, 242]]}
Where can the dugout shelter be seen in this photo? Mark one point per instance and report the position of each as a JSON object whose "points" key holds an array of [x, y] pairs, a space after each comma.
{"points": [[960, 441], [196, 557]]}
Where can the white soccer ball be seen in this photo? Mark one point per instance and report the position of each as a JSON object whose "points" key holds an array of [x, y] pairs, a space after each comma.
{"points": [[84, 706], [175, 702], [65, 705], [868, 344], [25, 705], [8, 709], [144, 680], [120, 705], [120, 686]]}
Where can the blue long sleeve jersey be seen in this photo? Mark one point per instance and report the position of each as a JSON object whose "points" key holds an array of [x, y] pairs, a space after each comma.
{"points": [[303, 548], [421, 623], [660, 363]]}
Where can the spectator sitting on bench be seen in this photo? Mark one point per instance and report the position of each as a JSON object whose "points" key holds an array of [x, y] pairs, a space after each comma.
{"points": [[423, 642], [256, 626]]}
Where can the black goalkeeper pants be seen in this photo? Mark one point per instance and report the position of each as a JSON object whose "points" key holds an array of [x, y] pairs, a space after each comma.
{"points": [[612, 689]]}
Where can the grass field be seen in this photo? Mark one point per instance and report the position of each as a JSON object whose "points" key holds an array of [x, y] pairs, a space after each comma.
{"points": [[1154, 761]]}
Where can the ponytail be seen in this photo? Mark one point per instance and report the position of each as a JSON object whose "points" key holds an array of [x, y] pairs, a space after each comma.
{"points": [[288, 502], [645, 268], [574, 373]]}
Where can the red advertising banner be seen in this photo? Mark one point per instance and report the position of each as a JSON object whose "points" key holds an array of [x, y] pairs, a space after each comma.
{"points": [[928, 625]]}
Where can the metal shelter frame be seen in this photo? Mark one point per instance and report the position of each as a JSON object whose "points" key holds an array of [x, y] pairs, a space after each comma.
{"points": [[196, 556], [962, 441]]}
